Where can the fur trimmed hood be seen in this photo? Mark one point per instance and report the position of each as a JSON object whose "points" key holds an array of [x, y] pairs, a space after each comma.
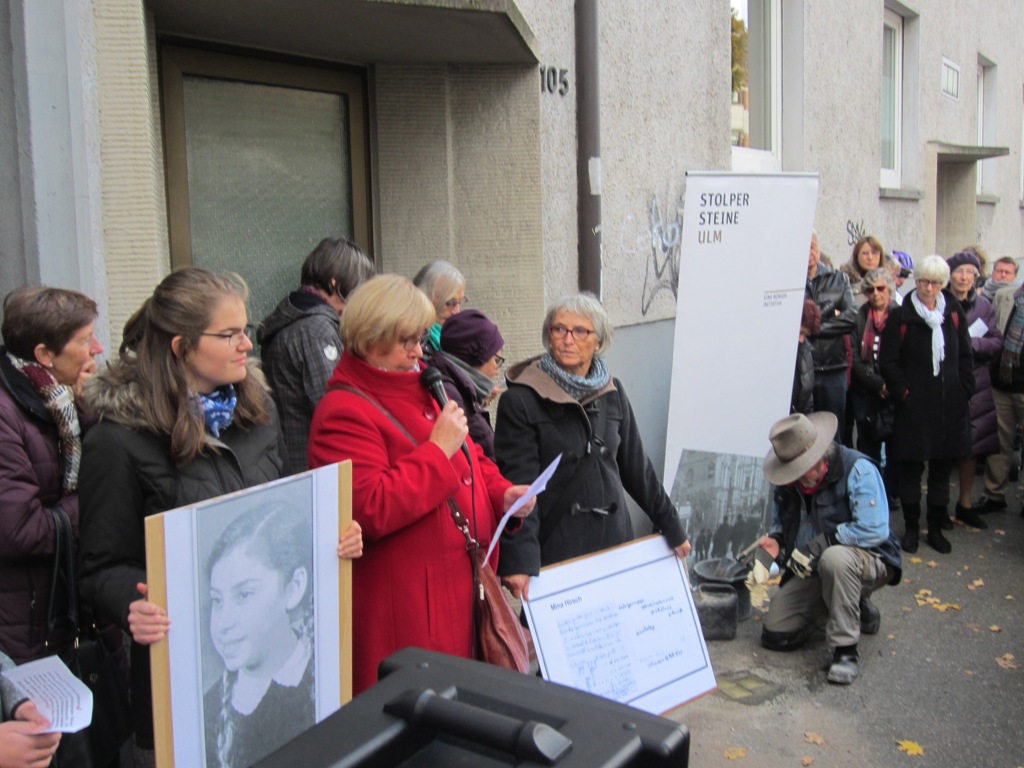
{"points": [[110, 395]]}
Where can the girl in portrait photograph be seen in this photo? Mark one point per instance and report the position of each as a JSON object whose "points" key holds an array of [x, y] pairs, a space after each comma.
{"points": [[261, 625]]}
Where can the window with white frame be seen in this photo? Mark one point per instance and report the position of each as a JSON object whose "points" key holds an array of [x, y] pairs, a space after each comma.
{"points": [[986, 122], [892, 98], [755, 123]]}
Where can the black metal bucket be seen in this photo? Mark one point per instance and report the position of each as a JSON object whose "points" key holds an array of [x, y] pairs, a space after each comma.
{"points": [[726, 571]]}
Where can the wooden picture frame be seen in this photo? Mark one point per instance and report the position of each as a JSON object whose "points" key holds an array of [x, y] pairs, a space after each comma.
{"points": [[204, 567]]}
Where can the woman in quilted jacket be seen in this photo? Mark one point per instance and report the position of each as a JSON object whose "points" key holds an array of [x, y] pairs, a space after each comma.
{"points": [[48, 354]]}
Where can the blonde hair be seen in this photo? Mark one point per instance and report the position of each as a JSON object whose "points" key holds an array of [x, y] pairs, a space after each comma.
{"points": [[382, 311]]}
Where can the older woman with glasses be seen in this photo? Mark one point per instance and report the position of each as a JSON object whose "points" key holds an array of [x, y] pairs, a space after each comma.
{"points": [[469, 359], [986, 344], [414, 472], [445, 286], [872, 406], [927, 366], [566, 402]]}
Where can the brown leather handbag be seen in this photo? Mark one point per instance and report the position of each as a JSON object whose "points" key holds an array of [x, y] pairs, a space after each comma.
{"points": [[501, 639]]}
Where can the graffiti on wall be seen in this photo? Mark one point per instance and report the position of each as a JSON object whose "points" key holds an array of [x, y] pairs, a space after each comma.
{"points": [[657, 242], [855, 231]]}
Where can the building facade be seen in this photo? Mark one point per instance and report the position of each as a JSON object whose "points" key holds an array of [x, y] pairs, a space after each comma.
{"points": [[515, 138]]}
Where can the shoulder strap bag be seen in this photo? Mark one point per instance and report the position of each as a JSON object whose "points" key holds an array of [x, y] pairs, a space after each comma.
{"points": [[89, 658], [499, 637]]}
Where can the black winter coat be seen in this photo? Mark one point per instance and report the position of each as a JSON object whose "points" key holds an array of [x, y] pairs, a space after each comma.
{"points": [[537, 420], [127, 475], [865, 375], [461, 389], [932, 417], [802, 399], [830, 290]]}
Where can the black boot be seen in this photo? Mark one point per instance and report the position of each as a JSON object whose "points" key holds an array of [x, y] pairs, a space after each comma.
{"points": [[870, 616], [936, 540], [946, 522], [911, 518], [969, 516], [844, 669]]}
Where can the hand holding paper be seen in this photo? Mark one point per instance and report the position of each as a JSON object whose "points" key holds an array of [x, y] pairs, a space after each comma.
{"points": [[59, 696], [526, 496]]}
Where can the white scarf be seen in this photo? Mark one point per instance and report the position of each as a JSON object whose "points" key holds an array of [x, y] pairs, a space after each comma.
{"points": [[933, 319]]}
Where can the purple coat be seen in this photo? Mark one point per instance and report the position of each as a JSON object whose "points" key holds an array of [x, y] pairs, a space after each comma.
{"points": [[984, 438], [30, 484]]}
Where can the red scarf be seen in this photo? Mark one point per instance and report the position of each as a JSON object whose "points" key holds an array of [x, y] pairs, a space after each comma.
{"points": [[872, 328]]}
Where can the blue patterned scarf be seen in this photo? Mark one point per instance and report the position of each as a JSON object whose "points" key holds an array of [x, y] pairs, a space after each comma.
{"points": [[577, 387], [218, 408]]}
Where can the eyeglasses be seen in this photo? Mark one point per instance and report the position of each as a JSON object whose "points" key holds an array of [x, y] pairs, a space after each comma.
{"points": [[234, 339], [580, 334], [411, 342], [929, 283], [869, 289], [499, 360], [455, 303]]}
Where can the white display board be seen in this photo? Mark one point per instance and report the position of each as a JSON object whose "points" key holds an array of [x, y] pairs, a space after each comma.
{"points": [[621, 624], [742, 274]]}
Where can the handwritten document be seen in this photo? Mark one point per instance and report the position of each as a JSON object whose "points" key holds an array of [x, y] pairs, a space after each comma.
{"points": [[622, 624], [59, 696]]}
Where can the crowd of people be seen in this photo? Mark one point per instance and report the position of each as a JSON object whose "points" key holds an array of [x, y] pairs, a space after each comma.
{"points": [[184, 412]]}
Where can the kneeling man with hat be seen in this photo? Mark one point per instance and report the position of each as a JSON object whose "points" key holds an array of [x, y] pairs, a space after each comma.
{"points": [[830, 529]]}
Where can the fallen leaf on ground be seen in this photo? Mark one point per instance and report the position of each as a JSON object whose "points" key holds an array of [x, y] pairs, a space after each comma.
{"points": [[943, 607], [911, 747], [735, 753], [996, 628], [1006, 661], [812, 738], [806, 760], [999, 532], [932, 564], [1009, 597], [916, 560], [978, 582], [890, 636], [923, 592]]}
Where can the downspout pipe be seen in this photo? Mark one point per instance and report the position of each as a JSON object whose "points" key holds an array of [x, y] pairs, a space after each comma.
{"points": [[588, 147]]}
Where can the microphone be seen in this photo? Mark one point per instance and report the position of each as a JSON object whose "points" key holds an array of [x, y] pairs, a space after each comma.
{"points": [[431, 381]]}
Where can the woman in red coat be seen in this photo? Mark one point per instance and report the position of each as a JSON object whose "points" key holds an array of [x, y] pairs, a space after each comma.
{"points": [[414, 583]]}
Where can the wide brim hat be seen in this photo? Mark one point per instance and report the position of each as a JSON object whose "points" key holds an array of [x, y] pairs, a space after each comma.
{"points": [[798, 443]]}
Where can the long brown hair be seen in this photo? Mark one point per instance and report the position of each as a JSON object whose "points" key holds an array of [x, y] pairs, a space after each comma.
{"points": [[182, 305]]}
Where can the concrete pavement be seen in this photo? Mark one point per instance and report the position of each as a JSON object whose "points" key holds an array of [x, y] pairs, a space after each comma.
{"points": [[932, 675]]}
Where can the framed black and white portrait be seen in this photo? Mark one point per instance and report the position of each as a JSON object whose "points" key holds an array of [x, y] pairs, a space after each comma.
{"points": [[259, 602]]}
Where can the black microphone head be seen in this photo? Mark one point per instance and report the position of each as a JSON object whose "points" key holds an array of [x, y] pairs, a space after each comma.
{"points": [[430, 378]]}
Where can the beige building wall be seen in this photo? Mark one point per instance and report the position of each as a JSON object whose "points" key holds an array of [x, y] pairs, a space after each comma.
{"points": [[478, 165], [458, 153], [132, 185]]}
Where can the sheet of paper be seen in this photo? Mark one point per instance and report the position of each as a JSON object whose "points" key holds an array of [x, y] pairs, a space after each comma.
{"points": [[621, 624], [978, 329], [59, 696], [536, 487]]}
